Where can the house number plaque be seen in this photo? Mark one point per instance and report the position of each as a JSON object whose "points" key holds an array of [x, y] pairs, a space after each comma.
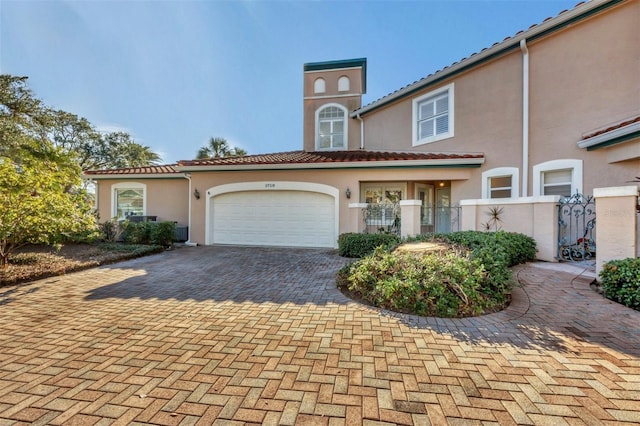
{"points": [[269, 185]]}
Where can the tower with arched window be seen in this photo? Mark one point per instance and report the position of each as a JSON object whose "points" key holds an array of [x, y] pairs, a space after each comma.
{"points": [[332, 90]]}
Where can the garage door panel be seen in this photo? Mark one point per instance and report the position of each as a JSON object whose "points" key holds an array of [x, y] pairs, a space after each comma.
{"points": [[274, 218]]}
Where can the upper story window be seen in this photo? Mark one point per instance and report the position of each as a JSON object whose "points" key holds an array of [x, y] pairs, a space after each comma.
{"points": [[319, 85], [433, 116], [557, 177], [128, 199], [501, 182], [344, 84], [331, 125]]}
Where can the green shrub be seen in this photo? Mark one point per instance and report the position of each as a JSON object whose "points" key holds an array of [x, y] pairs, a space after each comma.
{"points": [[508, 247], [444, 285], [110, 231], [621, 281], [163, 233], [472, 278], [360, 245]]}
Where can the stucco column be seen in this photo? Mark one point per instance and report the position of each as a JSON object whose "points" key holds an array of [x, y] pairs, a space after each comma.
{"points": [[410, 217], [468, 212], [616, 224], [356, 218], [545, 226]]}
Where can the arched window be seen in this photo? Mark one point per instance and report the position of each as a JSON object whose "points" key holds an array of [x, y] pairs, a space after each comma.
{"points": [[344, 84], [557, 177], [319, 85], [331, 126], [501, 182], [128, 199]]}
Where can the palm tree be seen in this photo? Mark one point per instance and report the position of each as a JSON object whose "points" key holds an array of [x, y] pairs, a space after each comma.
{"points": [[219, 148]]}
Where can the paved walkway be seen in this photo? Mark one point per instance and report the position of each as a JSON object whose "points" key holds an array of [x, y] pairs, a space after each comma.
{"points": [[246, 335]]}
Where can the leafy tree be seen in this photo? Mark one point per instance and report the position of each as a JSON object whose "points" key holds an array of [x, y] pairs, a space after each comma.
{"points": [[124, 152], [219, 148], [22, 115], [37, 204]]}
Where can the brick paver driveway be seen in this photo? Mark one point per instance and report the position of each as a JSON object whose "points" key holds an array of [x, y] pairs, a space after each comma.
{"points": [[219, 334]]}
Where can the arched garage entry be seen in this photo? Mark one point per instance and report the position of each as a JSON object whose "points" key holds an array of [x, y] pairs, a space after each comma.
{"points": [[288, 214]]}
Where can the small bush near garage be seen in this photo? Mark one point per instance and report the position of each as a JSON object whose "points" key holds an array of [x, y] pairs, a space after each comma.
{"points": [[361, 245], [471, 278], [161, 233], [621, 282]]}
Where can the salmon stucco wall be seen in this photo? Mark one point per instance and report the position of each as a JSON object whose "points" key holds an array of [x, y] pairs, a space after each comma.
{"points": [[168, 199], [340, 179]]}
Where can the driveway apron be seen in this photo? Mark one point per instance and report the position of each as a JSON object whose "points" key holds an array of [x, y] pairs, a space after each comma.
{"points": [[241, 335]]}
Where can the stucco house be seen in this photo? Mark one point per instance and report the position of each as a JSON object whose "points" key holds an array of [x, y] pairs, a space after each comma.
{"points": [[553, 110]]}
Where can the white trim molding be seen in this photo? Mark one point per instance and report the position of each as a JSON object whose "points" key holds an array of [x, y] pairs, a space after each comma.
{"points": [[514, 172], [564, 164], [128, 185], [449, 89], [269, 186], [616, 191]]}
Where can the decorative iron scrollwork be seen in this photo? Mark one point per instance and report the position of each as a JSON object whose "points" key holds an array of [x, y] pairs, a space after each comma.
{"points": [[576, 228]]}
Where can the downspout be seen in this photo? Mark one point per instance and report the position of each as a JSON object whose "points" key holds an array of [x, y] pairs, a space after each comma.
{"points": [[189, 243], [525, 118], [361, 131]]}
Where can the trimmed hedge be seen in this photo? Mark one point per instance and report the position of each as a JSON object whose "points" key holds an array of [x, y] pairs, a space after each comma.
{"points": [[471, 278], [360, 245], [621, 282], [444, 285]]}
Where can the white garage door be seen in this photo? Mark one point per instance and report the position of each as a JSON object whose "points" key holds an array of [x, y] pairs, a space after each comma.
{"points": [[274, 218]]}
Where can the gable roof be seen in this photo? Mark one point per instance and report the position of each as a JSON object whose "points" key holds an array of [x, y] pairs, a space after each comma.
{"points": [[162, 171], [566, 17], [335, 159], [297, 160]]}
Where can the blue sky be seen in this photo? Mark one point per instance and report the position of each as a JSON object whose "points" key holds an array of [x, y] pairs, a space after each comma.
{"points": [[175, 73]]}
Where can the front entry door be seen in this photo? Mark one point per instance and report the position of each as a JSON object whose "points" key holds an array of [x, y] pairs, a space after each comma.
{"points": [[443, 210]]}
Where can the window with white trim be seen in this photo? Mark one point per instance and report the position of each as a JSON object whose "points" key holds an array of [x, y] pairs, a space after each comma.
{"points": [[557, 177], [319, 85], [128, 199], [331, 127], [501, 182], [433, 116], [344, 84], [557, 182]]}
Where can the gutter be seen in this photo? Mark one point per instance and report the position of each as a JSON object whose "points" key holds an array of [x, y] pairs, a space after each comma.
{"points": [[188, 242], [525, 117], [361, 131], [610, 138]]}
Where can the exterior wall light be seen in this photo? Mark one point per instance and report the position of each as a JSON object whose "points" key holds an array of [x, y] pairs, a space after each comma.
{"points": [[196, 193], [347, 193]]}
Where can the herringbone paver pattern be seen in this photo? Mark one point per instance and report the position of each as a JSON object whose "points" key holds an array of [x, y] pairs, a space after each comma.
{"points": [[221, 335]]}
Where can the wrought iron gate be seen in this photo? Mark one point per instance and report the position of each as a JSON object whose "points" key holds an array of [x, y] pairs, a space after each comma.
{"points": [[576, 228]]}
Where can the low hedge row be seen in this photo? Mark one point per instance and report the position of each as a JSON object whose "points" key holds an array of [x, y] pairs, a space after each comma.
{"points": [[160, 233], [360, 245]]}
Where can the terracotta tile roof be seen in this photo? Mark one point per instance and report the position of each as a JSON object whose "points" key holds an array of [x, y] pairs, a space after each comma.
{"points": [[302, 157], [611, 128], [145, 170]]}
